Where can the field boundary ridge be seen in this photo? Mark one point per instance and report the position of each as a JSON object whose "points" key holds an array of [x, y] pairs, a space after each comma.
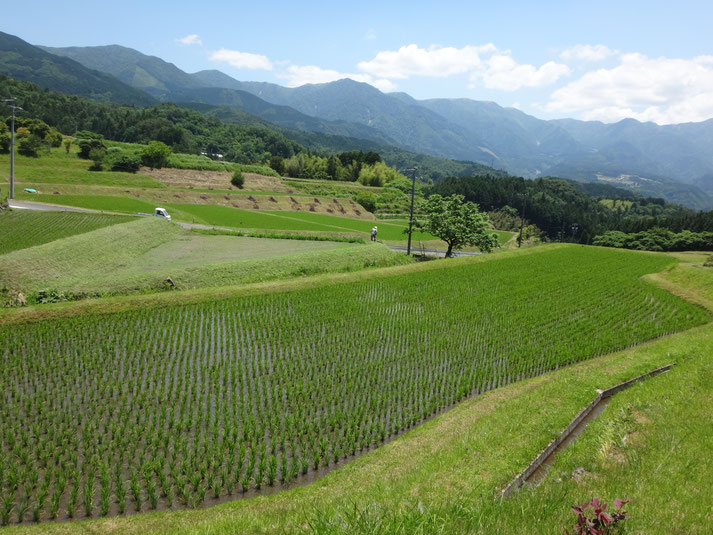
{"points": [[550, 449]]}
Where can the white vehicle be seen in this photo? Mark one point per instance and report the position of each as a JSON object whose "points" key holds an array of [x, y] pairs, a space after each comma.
{"points": [[161, 212]]}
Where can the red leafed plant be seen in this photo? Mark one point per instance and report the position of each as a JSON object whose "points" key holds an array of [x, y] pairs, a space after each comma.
{"points": [[600, 522]]}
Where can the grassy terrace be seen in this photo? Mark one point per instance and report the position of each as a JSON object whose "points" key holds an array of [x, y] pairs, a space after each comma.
{"points": [[445, 472], [139, 255], [20, 229]]}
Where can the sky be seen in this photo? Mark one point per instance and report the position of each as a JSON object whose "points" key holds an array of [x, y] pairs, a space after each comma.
{"points": [[604, 60]]}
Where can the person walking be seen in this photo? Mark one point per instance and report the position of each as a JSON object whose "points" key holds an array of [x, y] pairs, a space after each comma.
{"points": [[373, 233]]}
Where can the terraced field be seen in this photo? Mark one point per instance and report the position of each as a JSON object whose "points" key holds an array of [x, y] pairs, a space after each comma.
{"points": [[20, 229], [187, 405]]}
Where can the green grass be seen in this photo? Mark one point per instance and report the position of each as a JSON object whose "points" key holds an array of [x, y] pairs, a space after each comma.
{"points": [[140, 256], [331, 361], [103, 203], [20, 229], [302, 221], [61, 168]]}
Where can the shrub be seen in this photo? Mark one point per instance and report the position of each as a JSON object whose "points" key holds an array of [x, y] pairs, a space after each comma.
{"points": [[29, 145], [238, 179], [156, 155], [601, 522], [367, 200], [97, 156], [709, 261], [127, 163], [86, 145]]}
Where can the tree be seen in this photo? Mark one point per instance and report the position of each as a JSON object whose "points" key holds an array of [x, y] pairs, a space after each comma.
{"points": [[156, 155], [458, 223]]}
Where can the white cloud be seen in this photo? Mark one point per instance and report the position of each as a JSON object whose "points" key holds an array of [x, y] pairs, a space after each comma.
{"points": [[662, 90], [503, 72], [486, 65], [297, 75], [242, 60], [587, 53], [411, 60], [192, 39]]}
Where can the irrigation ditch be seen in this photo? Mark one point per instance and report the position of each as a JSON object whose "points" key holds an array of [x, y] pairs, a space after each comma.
{"points": [[537, 469]]}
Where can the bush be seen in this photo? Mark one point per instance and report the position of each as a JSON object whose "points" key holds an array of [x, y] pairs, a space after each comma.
{"points": [[97, 156], [156, 155], [238, 179], [709, 261], [86, 145], [127, 163], [367, 200], [29, 145]]}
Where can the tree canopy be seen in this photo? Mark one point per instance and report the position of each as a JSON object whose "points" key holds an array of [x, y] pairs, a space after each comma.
{"points": [[458, 223]]}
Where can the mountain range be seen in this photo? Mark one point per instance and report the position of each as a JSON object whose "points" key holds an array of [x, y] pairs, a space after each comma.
{"points": [[673, 161]]}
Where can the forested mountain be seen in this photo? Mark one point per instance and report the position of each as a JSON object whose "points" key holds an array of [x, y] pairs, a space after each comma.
{"points": [[674, 161], [22, 60], [149, 73], [237, 134]]}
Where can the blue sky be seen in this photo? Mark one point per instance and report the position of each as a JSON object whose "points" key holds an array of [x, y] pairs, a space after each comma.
{"points": [[590, 60]]}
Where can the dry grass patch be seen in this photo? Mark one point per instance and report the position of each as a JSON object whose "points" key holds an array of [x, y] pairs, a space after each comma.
{"points": [[192, 178]]}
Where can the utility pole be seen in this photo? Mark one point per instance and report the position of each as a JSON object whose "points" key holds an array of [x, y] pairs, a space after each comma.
{"points": [[410, 219], [522, 219], [12, 144]]}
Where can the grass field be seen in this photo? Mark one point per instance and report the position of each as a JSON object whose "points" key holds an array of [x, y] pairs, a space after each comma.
{"points": [[140, 255], [20, 229], [282, 384], [61, 168]]}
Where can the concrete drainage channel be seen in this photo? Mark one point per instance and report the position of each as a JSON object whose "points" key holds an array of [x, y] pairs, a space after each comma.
{"points": [[538, 468]]}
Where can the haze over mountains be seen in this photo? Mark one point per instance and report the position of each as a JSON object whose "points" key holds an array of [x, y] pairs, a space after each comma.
{"points": [[674, 161]]}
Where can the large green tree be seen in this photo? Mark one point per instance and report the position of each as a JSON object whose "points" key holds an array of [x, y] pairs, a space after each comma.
{"points": [[458, 223]]}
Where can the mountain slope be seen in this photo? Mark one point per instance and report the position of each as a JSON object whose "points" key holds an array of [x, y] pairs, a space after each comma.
{"points": [[674, 161], [149, 73], [24, 61]]}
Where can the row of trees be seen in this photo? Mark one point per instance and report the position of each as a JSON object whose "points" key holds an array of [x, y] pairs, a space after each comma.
{"points": [[355, 166], [31, 136], [563, 211], [657, 239]]}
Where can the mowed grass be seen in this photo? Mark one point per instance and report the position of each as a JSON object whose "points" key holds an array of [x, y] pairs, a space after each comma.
{"points": [[20, 229], [102, 203], [226, 216], [59, 167], [140, 255], [305, 221], [652, 443]]}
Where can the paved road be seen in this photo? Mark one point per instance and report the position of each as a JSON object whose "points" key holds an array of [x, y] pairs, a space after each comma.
{"points": [[27, 205]]}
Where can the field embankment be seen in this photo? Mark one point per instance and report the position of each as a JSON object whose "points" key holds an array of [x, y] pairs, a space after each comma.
{"points": [[140, 255], [20, 229]]}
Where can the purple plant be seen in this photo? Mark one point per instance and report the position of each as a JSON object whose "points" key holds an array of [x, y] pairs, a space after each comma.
{"points": [[600, 522]]}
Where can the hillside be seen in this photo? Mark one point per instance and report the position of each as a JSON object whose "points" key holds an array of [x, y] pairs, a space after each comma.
{"points": [[26, 62], [673, 161]]}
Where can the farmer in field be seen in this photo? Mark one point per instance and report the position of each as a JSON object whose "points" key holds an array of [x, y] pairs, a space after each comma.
{"points": [[373, 233]]}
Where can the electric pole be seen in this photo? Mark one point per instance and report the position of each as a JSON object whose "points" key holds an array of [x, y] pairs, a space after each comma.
{"points": [[12, 144], [410, 219]]}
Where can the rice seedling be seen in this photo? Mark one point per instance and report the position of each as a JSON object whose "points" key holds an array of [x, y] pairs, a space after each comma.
{"points": [[181, 405]]}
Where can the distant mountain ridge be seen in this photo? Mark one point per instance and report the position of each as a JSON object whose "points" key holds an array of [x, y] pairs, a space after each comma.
{"points": [[674, 161], [22, 60]]}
